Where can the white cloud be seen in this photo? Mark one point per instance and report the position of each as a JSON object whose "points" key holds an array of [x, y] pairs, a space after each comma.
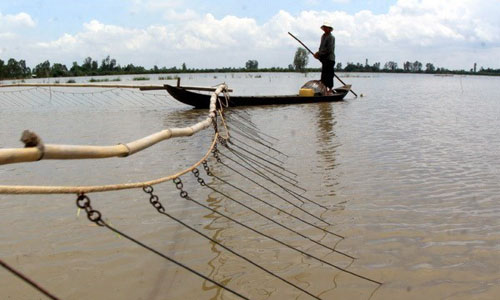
{"points": [[426, 30], [102, 39], [157, 4], [176, 16], [12, 28], [19, 20], [139, 6], [7, 35]]}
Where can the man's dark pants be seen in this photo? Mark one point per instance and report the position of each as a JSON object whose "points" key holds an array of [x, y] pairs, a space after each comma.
{"points": [[327, 73]]}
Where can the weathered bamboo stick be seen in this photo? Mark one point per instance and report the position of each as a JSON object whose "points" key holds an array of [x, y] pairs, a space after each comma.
{"points": [[186, 87], [35, 189], [200, 88], [118, 86], [48, 151], [121, 86]]}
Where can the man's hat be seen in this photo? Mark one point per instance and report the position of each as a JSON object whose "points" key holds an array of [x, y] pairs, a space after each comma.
{"points": [[326, 24]]}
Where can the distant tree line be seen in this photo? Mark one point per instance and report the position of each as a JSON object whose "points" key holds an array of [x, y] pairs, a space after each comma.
{"points": [[14, 69], [411, 67]]}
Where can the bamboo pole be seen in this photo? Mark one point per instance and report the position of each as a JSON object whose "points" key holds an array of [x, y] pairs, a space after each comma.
{"points": [[196, 88], [200, 88], [35, 189], [40, 151], [116, 86], [119, 86]]}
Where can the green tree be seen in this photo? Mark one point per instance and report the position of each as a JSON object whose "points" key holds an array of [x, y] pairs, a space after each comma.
{"points": [[407, 66], [94, 68], [252, 65], [26, 71], [184, 68], [391, 66], [108, 65], [42, 69], [429, 68], [2, 70], [14, 69], [87, 65], [339, 66], [417, 66], [76, 70], [300, 59], [58, 70], [351, 67]]}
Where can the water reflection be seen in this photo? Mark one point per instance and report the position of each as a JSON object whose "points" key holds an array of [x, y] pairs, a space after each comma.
{"points": [[326, 143], [216, 263]]}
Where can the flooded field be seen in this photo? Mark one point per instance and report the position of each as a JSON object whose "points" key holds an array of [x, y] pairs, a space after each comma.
{"points": [[409, 173]]}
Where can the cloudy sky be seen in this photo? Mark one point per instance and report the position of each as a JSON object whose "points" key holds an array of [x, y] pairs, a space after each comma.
{"points": [[227, 33]]}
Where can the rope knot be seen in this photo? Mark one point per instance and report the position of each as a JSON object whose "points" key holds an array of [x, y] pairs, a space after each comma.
{"points": [[31, 139]]}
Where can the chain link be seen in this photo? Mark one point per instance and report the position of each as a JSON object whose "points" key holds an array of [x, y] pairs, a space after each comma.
{"points": [[83, 202], [214, 124], [153, 199], [200, 180], [207, 168], [148, 189], [222, 141], [180, 186], [215, 153]]}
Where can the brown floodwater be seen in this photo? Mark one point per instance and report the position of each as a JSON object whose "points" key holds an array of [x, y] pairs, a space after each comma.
{"points": [[409, 174]]}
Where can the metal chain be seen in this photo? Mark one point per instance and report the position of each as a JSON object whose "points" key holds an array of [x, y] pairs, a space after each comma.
{"points": [[215, 153], [180, 186], [83, 202], [196, 174], [214, 124], [222, 141], [207, 168], [153, 199]]}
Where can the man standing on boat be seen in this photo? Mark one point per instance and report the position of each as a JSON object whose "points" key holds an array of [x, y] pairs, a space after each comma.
{"points": [[326, 55]]}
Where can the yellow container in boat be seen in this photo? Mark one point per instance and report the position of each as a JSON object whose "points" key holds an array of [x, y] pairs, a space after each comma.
{"points": [[306, 92]]}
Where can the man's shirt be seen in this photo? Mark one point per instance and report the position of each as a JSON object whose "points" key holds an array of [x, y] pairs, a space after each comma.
{"points": [[327, 47]]}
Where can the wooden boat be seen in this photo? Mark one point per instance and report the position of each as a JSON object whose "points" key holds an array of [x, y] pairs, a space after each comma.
{"points": [[199, 100]]}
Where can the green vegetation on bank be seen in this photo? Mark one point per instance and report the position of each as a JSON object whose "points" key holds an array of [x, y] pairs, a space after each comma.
{"points": [[104, 79], [140, 78], [14, 69]]}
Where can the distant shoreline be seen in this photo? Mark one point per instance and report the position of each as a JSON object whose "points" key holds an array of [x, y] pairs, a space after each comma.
{"points": [[173, 75], [18, 70]]}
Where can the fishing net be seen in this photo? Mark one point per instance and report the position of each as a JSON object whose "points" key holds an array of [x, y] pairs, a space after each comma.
{"points": [[317, 86]]}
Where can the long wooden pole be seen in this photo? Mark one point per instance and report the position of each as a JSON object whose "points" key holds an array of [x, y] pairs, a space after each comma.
{"points": [[119, 86], [115, 86], [197, 88], [313, 55]]}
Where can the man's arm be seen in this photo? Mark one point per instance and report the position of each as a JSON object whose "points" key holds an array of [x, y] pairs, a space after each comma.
{"points": [[325, 48]]}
